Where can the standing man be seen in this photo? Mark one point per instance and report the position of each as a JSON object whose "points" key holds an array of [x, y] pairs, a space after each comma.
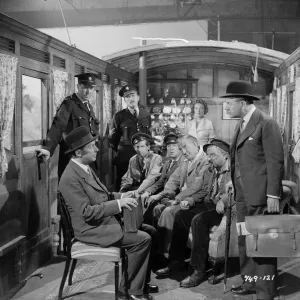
{"points": [[126, 123], [74, 111], [257, 168]]}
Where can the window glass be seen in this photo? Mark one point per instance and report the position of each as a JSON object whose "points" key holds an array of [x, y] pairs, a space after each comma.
{"points": [[32, 108], [226, 76], [205, 81]]}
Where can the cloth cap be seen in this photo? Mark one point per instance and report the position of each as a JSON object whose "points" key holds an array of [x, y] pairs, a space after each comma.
{"points": [[138, 137], [240, 88], [218, 143], [78, 138]]}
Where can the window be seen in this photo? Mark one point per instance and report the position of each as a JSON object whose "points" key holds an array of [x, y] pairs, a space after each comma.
{"points": [[224, 77], [205, 82], [180, 74], [32, 108]]}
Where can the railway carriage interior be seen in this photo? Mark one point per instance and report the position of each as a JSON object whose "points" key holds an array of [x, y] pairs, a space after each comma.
{"points": [[37, 73]]}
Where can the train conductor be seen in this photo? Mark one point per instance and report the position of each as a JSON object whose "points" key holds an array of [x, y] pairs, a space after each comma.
{"points": [[126, 123], [74, 111]]}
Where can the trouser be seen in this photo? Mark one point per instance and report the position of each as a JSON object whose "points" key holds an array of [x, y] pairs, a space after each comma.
{"points": [[256, 266], [138, 246], [181, 229], [201, 225]]}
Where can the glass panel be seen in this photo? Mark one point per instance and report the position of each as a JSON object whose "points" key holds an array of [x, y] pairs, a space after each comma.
{"points": [[205, 82], [177, 74], [32, 109], [226, 76], [260, 86]]}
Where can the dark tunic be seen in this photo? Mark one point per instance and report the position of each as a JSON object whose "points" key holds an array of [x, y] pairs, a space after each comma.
{"points": [[124, 126], [71, 114]]}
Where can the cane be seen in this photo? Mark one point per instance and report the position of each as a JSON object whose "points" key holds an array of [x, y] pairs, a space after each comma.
{"points": [[227, 236]]}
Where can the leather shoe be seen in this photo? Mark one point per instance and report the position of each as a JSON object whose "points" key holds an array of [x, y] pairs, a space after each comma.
{"points": [[133, 297], [151, 288], [194, 280], [240, 290], [172, 267]]}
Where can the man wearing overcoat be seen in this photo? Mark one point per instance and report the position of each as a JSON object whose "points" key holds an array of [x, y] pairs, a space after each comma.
{"points": [[127, 122], [257, 167], [74, 111]]}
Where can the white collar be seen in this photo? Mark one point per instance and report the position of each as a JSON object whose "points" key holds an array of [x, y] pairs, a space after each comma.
{"points": [[86, 168], [249, 114], [132, 110]]}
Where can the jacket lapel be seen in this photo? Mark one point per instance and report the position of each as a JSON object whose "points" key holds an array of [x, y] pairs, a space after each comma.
{"points": [[79, 103], [195, 164], [184, 171], [131, 116], [249, 128]]}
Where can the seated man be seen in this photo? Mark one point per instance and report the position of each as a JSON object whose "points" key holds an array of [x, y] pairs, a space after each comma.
{"points": [[176, 158], [93, 210], [144, 167], [207, 213], [185, 182]]}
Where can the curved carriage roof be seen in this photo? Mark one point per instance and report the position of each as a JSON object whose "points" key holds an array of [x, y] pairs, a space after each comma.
{"points": [[170, 53]]}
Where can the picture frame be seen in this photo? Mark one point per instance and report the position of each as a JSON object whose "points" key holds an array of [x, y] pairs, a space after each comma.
{"points": [[225, 115]]}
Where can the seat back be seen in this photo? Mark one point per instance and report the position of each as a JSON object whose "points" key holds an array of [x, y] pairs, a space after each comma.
{"points": [[66, 222]]}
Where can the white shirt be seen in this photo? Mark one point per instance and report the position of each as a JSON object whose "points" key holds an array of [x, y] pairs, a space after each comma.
{"points": [[87, 169], [136, 109]]}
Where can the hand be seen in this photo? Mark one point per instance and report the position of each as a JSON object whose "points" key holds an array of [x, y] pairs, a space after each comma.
{"points": [[43, 153], [153, 198], [145, 196], [220, 207], [273, 205], [229, 187], [128, 202], [184, 205], [129, 194]]}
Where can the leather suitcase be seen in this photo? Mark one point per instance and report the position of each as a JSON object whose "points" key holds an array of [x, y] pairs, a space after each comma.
{"points": [[133, 219]]}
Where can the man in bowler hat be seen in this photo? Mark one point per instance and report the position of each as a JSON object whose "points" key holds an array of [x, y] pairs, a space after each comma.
{"points": [[74, 111], [127, 122], [93, 209], [257, 167]]}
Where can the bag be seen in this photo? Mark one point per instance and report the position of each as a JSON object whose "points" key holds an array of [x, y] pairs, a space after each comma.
{"points": [[272, 235], [134, 218]]}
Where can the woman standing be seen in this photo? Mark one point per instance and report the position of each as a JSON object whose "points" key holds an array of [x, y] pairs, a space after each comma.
{"points": [[200, 127]]}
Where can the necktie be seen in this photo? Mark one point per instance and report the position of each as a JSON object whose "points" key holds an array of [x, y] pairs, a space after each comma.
{"points": [[171, 165], [135, 113], [86, 104], [242, 126]]}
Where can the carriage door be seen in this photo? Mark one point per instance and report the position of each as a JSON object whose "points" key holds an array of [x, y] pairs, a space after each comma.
{"points": [[34, 174]]}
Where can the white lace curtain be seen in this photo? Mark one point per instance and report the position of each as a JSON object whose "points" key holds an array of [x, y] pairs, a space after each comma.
{"points": [[296, 121], [107, 107], [60, 88], [8, 70]]}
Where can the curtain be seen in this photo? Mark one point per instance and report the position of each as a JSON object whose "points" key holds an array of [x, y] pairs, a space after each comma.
{"points": [[107, 108], [283, 109], [60, 88], [118, 99], [8, 71], [271, 105], [296, 121]]}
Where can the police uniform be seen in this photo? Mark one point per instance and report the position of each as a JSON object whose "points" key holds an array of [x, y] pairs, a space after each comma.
{"points": [[124, 126], [71, 114]]}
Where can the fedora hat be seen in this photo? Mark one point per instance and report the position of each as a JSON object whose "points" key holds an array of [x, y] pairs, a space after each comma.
{"points": [[78, 138], [241, 89]]}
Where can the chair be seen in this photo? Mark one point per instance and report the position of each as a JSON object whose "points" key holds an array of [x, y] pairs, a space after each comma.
{"points": [[78, 250], [216, 252]]}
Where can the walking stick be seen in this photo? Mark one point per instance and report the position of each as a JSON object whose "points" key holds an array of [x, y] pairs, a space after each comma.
{"points": [[227, 236]]}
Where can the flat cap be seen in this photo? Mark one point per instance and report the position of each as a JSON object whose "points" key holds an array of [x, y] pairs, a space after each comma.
{"points": [[170, 138], [127, 89], [87, 78], [215, 142], [138, 137]]}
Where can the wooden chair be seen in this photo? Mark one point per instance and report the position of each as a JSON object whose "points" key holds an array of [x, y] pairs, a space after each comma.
{"points": [[78, 250]]}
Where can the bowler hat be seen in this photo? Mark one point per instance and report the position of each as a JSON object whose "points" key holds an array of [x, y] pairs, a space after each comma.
{"points": [[170, 138], [241, 89], [78, 138], [138, 137], [87, 78], [215, 142], [127, 89]]}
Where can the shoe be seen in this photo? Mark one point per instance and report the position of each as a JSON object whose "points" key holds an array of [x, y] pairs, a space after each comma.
{"points": [[194, 280], [171, 268], [133, 297], [150, 289], [240, 290]]}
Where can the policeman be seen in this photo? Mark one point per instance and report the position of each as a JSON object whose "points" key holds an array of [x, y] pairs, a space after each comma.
{"points": [[74, 111], [126, 123]]}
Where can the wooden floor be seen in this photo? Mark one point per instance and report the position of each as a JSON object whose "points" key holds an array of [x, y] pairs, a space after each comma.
{"points": [[95, 280]]}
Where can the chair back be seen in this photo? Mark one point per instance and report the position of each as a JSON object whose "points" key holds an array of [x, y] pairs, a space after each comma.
{"points": [[67, 228]]}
